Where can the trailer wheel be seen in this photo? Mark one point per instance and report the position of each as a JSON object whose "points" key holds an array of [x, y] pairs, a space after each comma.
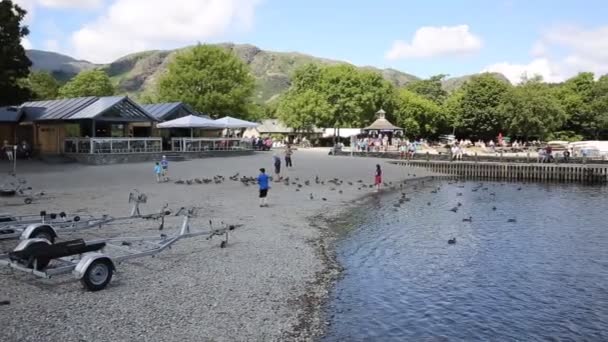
{"points": [[42, 233], [40, 263], [98, 275], [28, 200]]}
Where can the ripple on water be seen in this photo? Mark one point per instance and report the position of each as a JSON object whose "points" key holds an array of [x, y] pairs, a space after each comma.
{"points": [[543, 277]]}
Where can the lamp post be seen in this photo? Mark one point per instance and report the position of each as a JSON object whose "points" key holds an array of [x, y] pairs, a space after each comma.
{"points": [[15, 160]]}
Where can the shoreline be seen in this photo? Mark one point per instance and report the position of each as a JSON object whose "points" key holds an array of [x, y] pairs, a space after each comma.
{"points": [[312, 319]]}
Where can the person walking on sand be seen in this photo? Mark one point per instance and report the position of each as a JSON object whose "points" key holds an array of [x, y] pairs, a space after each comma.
{"points": [[277, 166], [164, 163], [158, 172], [288, 153], [378, 177], [264, 186]]}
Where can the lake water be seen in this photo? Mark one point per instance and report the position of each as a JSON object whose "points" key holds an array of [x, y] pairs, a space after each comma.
{"points": [[543, 277]]}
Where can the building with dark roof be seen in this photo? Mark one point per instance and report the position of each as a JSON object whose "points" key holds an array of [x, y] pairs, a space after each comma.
{"points": [[45, 124], [170, 111]]}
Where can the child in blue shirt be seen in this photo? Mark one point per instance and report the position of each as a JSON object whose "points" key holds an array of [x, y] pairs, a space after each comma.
{"points": [[157, 170], [263, 183]]}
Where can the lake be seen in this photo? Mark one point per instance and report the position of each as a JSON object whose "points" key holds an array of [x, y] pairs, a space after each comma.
{"points": [[531, 265]]}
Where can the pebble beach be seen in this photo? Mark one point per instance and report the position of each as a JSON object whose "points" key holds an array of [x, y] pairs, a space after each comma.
{"points": [[267, 285]]}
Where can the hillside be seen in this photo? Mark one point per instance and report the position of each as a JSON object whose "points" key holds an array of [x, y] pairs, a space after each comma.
{"points": [[137, 74], [451, 84], [60, 66]]}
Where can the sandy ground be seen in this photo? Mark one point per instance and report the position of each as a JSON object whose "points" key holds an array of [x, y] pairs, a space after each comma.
{"points": [[266, 286]]}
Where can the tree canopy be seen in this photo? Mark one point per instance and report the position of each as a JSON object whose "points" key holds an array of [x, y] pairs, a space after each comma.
{"points": [[418, 115], [478, 107], [14, 64], [88, 83], [335, 96], [209, 79], [532, 110], [42, 85], [431, 89]]}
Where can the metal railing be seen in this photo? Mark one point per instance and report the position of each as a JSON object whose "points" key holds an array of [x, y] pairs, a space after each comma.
{"points": [[112, 145], [209, 144]]}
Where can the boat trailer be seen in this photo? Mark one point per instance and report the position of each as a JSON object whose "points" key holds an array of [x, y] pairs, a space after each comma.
{"points": [[94, 262], [48, 225], [17, 188]]}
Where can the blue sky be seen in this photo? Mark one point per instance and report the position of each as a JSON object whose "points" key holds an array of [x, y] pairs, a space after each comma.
{"points": [[555, 39]]}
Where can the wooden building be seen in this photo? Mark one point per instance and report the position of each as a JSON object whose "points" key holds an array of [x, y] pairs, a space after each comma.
{"points": [[51, 122]]}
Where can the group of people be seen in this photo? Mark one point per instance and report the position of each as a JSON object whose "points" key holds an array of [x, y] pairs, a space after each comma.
{"points": [[161, 170], [12, 152], [277, 162], [262, 144], [407, 149], [383, 144], [264, 179]]}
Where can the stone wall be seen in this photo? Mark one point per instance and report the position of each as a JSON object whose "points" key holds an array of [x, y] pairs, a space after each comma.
{"points": [[119, 158]]}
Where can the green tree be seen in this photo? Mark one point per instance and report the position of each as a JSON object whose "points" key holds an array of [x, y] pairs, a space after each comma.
{"points": [[479, 106], [452, 107], [14, 64], [210, 79], [88, 83], [576, 96], [418, 115], [599, 106], [532, 109], [353, 95], [303, 110], [430, 89], [42, 85]]}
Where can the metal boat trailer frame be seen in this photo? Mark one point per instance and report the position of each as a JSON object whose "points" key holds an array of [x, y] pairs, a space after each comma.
{"points": [[91, 262], [18, 189], [47, 226]]}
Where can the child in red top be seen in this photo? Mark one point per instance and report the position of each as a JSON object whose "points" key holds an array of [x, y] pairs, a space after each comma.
{"points": [[378, 178]]}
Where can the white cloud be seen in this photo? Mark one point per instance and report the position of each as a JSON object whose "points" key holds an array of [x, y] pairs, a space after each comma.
{"points": [[133, 25], [538, 67], [51, 45], [586, 49], [70, 3], [26, 43], [560, 53], [538, 50], [430, 41]]}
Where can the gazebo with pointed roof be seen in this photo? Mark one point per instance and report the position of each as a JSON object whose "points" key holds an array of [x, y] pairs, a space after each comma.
{"points": [[382, 124]]}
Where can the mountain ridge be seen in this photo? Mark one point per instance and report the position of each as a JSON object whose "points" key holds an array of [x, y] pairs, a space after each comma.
{"points": [[136, 74]]}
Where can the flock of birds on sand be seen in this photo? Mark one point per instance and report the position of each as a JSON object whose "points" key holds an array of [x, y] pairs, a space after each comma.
{"points": [[335, 184], [455, 209]]}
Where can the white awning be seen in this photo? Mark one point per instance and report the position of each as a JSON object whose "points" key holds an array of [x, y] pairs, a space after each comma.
{"points": [[230, 122], [190, 121]]}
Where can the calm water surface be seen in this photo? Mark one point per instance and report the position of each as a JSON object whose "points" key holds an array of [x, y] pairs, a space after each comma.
{"points": [[541, 278]]}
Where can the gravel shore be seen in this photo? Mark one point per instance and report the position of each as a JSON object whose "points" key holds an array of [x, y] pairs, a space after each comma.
{"points": [[267, 285]]}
